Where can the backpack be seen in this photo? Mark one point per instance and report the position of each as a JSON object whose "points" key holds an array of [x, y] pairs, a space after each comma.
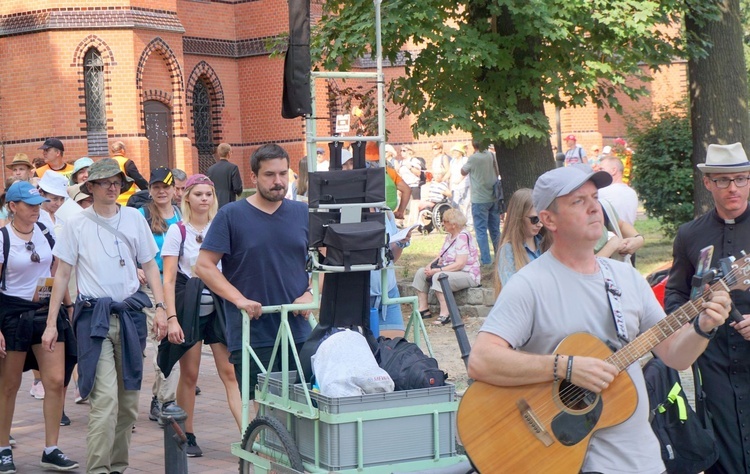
{"points": [[6, 247], [407, 365], [687, 440]]}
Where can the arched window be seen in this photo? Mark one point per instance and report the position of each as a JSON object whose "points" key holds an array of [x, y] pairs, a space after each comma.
{"points": [[202, 125], [96, 110]]}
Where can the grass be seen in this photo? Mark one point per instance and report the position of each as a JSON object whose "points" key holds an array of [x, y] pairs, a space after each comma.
{"points": [[656, 253]]}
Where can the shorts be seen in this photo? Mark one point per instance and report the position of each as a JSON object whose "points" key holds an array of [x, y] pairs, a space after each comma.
{"points": [[209, 332], [20, 335], [416, 193], [393, 319], [264, 355]]}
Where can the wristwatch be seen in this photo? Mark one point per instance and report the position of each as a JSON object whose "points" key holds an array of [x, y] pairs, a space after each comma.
{"points": [[161, 305]]}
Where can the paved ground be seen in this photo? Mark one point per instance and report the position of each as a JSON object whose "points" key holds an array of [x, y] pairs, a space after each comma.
{"points": [[215, 429]]}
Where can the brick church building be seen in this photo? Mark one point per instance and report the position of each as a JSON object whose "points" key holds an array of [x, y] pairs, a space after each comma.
{"points": [[174, 78]]}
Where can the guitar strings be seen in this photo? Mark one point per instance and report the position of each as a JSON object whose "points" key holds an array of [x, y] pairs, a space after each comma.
{"points": [[573, 394]]}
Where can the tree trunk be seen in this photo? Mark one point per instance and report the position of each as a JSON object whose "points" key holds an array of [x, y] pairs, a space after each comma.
{"points": [[522, 164], [718, 92]]}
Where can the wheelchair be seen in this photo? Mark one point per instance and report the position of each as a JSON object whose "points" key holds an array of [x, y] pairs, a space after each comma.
{"points": [[430, 219]]}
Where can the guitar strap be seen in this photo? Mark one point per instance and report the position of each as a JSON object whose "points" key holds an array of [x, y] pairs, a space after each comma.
{"points": [[614, 294]]}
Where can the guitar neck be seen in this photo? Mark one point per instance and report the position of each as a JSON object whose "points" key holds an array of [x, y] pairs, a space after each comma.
{"points": [[661, 330]]}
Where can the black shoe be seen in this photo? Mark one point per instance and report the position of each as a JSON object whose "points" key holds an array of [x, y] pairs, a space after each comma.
{"points": [[64, 420], [192, 450], [57, 461], [197, 390], [6, 462], [163, 407], [155, 413]]}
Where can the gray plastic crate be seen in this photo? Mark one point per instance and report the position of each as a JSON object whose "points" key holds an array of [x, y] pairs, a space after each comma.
{"points": [[385, 441]]}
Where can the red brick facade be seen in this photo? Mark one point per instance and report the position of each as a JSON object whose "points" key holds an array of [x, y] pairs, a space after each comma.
{"points": [[157, 53]]}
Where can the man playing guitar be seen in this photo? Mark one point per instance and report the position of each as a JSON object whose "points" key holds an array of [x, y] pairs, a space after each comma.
{"points": [[564, 292]]}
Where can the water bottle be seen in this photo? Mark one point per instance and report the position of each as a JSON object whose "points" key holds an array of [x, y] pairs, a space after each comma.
{"points": [[375, 322]]}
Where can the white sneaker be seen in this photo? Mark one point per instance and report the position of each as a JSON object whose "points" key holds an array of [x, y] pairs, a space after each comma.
{"points": [[37, 390]]}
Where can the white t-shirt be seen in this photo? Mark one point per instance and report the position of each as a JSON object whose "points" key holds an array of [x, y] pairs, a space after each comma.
{"points": [[95, 252], [546, 301], [171, 247], [623, 198], [46, 219], [21, 274]]}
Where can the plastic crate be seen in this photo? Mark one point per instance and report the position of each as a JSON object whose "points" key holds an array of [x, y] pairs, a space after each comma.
{"points": [[385, 440]]}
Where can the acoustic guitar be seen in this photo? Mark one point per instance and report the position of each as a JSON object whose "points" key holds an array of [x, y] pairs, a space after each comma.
{"points": [[546, 427]]}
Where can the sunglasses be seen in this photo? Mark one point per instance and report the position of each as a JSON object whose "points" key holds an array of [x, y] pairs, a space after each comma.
{"points": [[533, 219], [31, 248]]}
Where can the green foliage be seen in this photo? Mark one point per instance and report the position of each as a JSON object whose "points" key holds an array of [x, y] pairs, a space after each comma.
{"points": [[662, 169], [477, 66]]}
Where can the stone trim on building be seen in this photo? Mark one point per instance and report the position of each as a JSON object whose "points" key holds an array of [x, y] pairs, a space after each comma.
{"points": [[93, 41], [204, 71], [245, 48], [35, 21]]}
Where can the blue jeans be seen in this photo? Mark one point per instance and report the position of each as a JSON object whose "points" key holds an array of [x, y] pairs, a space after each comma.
{"points": [[486, 217]]}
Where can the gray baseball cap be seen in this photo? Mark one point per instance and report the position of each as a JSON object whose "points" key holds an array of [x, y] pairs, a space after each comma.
{"points": [[561, 181]]}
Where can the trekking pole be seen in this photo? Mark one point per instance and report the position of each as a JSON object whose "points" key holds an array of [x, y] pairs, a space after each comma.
{"points": [[458, 325]]}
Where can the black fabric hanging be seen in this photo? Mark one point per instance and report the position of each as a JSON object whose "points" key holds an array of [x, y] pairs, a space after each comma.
{"points": [[296, 100]]}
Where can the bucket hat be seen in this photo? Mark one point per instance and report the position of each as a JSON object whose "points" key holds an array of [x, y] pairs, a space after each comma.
{"points": [[106, 168], [54, 183]]}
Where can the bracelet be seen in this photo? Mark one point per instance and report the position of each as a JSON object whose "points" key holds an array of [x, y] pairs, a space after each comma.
{"points": [[569, 372], [554, 369], [696, 325], [66, 306], [173, 316], [402, 245], [641, 236]]}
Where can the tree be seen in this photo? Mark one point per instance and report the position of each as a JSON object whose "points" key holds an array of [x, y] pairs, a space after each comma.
{"points": [[718, 84], [488, 67]]}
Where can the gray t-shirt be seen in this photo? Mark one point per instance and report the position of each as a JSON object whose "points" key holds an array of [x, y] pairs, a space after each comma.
{"points": [[482, 176], [545, 302]]}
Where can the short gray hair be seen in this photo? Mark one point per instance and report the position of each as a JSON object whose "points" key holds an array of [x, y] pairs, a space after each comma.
{"points": [[179, 175]]}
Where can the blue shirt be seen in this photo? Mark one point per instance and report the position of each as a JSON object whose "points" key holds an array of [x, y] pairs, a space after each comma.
{"points": [[506, 262], [159, 238]]}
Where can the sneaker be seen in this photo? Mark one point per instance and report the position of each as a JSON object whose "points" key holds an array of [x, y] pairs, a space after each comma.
{"points": [[64, 420], [6, 462], [192, 450], [155, 413], [12, 441], [58, 461], [165, 405], [79, 399], [37, 390], [197, 390]]}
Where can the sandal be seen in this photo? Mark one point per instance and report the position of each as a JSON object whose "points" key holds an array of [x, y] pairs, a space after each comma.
{"points": [[442, 320], [425, 313]]}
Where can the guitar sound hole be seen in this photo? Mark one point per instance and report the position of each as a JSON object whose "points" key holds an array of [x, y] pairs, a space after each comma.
{"points": [[575, 398]]}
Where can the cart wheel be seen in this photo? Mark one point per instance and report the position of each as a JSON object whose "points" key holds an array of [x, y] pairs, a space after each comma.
{"points": [[268, 438]]}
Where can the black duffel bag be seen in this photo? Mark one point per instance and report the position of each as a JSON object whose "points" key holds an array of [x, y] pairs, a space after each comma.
{"points": [[354, 244], [346, 187]]}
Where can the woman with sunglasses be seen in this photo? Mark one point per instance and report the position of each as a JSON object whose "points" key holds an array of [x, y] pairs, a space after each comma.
{"points": [[197, 316], [522, 240], [23, 316]]}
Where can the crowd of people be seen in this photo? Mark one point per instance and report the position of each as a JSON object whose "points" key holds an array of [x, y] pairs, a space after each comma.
{"points": [[176, 262]]}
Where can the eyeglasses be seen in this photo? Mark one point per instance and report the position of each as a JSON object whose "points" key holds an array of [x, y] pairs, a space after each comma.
{"points": [[108, 184], [31, 248], [723, 183], [435, 148], [533, 219]]}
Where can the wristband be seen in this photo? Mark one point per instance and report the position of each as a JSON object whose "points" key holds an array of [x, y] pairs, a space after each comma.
{"points": [[641, 236], [173, 316], [554, 368], [66, 306], [696, 325], [569, 372], [402, 245]]}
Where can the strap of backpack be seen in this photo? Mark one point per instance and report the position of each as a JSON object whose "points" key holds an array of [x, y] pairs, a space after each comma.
{"points": [[47, 234], [6, 253], [700, 399], [183, 234]]}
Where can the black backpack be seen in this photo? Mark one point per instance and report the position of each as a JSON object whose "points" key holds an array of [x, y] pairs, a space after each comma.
{"points": [[407, 365], [687, 441]]}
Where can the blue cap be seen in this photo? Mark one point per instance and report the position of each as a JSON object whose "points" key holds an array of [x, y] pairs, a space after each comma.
{"points": [[24, 191]]}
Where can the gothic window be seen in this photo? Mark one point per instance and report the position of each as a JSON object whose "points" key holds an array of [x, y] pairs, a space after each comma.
{"points": [[93, 72], [96, 111], [202, 125]]}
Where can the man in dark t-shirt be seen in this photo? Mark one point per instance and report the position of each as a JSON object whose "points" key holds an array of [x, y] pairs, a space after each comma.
{"points": [[225, 175], [261, 242]]}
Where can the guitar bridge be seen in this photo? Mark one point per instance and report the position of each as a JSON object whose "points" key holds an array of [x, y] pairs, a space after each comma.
{"points": [[533, 424]]}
